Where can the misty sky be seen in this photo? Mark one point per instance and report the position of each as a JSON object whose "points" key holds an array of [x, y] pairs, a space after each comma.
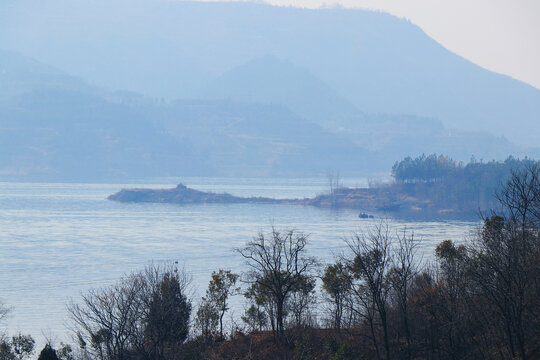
{"points": [[500, 35]]}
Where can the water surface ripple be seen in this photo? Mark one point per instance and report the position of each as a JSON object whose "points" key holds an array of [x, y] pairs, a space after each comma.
{"points": [[58, 240]]}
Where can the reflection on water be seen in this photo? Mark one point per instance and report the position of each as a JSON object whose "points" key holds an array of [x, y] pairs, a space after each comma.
{"points": [[57, 240]]}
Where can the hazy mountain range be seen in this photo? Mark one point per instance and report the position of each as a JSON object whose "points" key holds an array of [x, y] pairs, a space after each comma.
{"points": [[54, 126], [161, 88]]}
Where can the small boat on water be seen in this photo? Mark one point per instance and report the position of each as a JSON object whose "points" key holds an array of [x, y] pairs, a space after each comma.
{"points": [[365, 216]]}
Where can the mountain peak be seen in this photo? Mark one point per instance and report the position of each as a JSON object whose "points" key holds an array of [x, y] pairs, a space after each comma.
{"points": [[272, 80]]}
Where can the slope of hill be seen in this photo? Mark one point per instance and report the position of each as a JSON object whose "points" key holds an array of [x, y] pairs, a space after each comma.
{"points": [[20, 74], [61, 135], [379, 63], [56, 127], [390, 135], [270, 80], [260, 139]]}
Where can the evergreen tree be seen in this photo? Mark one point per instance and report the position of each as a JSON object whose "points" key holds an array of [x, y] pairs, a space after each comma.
{"points": [[168, 318], [48, 353]]}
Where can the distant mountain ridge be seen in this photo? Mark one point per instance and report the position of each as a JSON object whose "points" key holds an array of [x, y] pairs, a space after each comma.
{"points": [[374, 61], [51, 130], [271, 80], [56, 127], [20, 74]]}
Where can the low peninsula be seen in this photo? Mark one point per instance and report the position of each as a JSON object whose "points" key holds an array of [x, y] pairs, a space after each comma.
{"points": [[427, 186], [392, 200], [360, 198], [184, 195]]}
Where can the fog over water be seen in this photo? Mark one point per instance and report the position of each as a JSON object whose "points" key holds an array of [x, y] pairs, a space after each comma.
{"points": [[58, 240]]}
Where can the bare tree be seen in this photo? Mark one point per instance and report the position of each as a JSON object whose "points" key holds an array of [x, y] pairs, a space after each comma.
{"points": [[278, 265], [452, 294], [505, 258], [139, 314], [404, 269], [4, 311], [370, 267], [506, 269], [520, 196], [110, 319], [334, 183]]}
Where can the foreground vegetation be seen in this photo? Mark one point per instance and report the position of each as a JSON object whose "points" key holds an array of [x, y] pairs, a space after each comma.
{"points": [[378, 300]]}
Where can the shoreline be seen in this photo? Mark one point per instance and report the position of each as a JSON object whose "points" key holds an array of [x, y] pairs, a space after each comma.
{"points": [[386, 200]]}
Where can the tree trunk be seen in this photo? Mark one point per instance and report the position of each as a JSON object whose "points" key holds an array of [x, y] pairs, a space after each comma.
{"points": [[407, 332], [385, 334], [221, 325], [279, 316], [374, 336]]}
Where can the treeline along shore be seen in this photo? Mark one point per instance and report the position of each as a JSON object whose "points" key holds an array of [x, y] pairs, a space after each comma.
{"points": [[426, 186]]}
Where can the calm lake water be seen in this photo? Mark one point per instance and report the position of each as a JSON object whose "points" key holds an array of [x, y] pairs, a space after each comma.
{"points": [[58, 240]]}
